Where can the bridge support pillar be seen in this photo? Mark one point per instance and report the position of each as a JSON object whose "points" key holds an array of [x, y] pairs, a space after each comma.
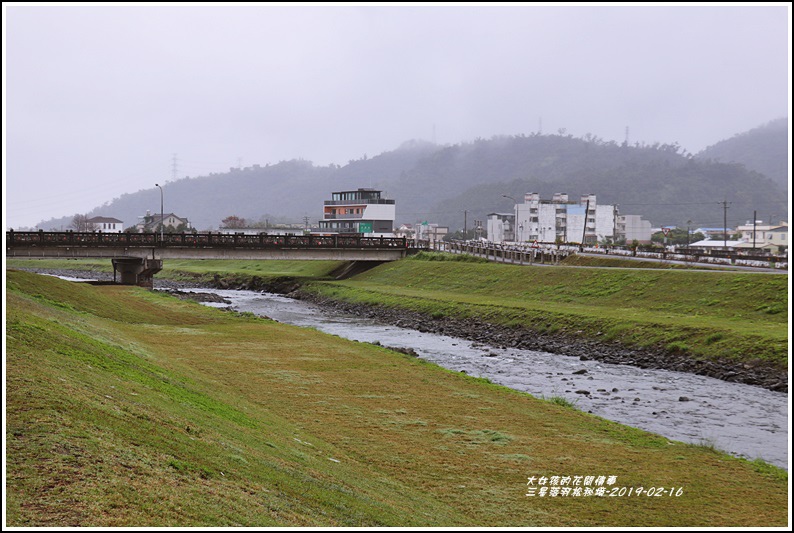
{"points": [[136, 271]]}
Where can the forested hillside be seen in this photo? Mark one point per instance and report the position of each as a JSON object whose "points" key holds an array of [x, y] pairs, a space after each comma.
{"points": [[662, 182], [763, 149], [658, 182]]}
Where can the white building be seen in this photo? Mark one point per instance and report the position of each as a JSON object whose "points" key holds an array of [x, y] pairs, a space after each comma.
{"points": [[561, 219], [500, 227], [105, 224], [631, 228], [430, 232], [765, 235]]}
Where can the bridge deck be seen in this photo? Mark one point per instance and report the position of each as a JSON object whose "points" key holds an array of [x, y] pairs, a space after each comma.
{"points": [[204, 246]]}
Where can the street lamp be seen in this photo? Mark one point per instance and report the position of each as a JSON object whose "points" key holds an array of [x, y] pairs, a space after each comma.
{"points": [[162, 214], [515, 220]]}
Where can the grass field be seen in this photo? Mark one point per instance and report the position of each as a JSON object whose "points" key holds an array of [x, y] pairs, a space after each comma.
{"points": [[132, 408]]}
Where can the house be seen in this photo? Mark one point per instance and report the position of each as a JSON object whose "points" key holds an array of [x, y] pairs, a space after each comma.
{"points": [[765, 236], [405, 230], [105, 224], [716, 244], [362, 211], [170, 222]]}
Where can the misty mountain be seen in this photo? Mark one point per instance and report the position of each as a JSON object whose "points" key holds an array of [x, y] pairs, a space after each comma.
{"points": [[763, 149], [438, 183], [661, 182]]}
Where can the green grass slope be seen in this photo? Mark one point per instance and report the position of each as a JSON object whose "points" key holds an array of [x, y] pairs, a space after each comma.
{"points": [[198, 270], [132, 408], [706, 314]]}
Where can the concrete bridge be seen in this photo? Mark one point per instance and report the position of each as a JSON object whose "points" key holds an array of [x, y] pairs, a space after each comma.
{"points": [[138, 256]]}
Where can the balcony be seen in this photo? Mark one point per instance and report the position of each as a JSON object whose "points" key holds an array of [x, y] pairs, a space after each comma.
{"points": [[359, 202], [341, 216]]}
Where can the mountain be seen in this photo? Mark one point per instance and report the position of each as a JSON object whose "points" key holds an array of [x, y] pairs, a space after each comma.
{"points": [[662, 183], [438, 183], [763, 149]]}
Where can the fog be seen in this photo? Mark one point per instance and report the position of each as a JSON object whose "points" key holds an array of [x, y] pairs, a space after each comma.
{"points": [[105, 100]]}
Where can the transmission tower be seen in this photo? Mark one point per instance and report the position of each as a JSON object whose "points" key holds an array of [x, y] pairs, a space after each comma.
{"points": [[173, 167]]}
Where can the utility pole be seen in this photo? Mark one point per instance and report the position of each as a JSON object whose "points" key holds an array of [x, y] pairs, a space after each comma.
{"points": [[725, 223], [754, 219], [465, 227], [584, 229], [162, 215]]}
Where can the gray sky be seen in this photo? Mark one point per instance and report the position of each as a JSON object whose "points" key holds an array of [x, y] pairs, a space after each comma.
{"points": [[97, 99]]}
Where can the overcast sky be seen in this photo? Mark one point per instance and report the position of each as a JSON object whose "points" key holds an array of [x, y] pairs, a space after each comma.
{"points": [[98, 99]]}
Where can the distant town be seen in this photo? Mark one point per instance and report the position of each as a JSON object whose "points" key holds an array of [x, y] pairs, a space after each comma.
{"points": [[559, 220]]}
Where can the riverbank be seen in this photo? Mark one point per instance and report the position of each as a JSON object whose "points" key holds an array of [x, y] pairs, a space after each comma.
{"points": [[730, 326], [756, 372], [126, 407]]}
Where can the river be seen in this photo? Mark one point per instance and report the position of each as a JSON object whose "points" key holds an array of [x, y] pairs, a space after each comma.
{"points": [[743, 420]]}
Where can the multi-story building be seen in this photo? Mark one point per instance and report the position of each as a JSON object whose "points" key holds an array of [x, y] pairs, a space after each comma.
{"points": [[500, 227], [629, 228], [560, 219], [430, 232], [360, 211]]}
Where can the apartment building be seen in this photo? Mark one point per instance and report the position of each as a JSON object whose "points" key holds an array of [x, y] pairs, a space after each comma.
{"points": [[583, 221], [630, 228], [500, 227]]}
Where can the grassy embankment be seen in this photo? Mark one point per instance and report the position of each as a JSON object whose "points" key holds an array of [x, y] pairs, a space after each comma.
{"points": [[705, 314], [131, 408], [198, 270], [702, 313], [622, 262]]}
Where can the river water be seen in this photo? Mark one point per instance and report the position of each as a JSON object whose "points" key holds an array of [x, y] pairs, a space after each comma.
{"points": [[743, 420]]}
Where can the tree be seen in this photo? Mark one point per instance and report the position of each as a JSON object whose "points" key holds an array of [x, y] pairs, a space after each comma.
{"points": [[233, 222], [81, 223], [676, 236]]}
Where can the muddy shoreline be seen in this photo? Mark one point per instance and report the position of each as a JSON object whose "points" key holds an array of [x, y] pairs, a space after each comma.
{"points": [[759, 373]]}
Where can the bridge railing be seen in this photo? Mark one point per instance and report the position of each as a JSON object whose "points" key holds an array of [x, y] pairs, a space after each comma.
{"points": [[196, 240]]}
